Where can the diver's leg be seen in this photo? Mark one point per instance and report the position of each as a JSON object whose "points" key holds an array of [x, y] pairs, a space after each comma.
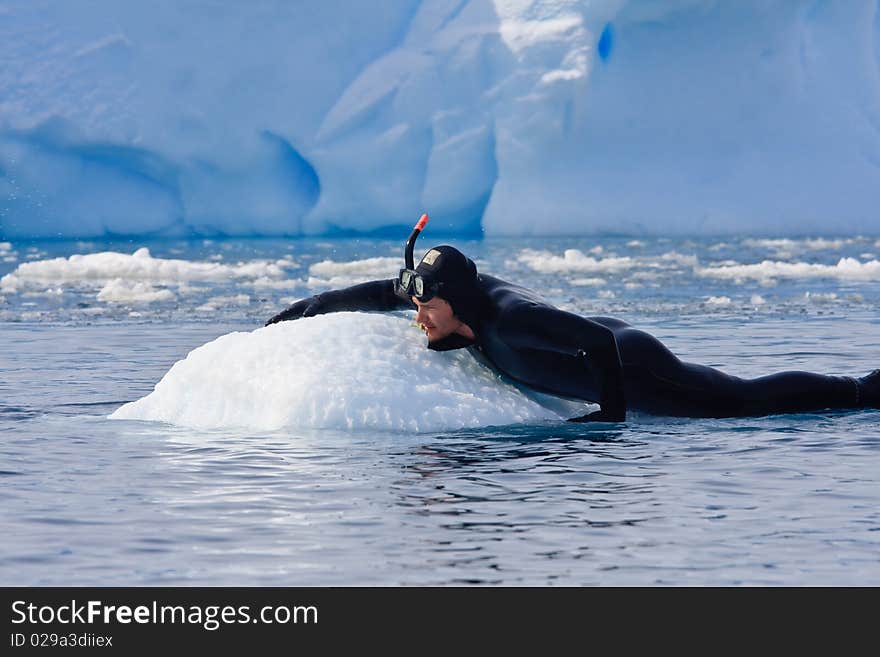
{"points": [[869, 390], [658, 382], [799, 392]]}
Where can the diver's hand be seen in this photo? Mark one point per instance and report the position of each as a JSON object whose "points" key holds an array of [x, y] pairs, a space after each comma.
{"points": [[303, 308], [601, 416]]}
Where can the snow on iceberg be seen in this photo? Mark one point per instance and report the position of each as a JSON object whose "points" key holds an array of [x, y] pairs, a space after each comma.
{"points": [[503, 116], [344, 371]]}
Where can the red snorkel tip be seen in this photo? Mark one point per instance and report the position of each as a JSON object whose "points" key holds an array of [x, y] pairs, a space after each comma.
{"points": [[410, 243]]}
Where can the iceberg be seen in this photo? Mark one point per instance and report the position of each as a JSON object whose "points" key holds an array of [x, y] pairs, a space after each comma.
{"points": [[499, 117]]}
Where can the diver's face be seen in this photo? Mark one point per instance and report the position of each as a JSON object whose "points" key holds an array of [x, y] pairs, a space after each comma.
{"points": [[436, 318]]}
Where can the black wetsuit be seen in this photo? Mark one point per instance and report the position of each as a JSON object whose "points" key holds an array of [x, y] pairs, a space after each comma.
{"points": [[600, 359]]}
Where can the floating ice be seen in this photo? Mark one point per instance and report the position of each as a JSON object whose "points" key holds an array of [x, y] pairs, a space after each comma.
{"points": [[376, 267], [821, 297], [224, 301], [48, 292], [329, 273], [343, 370], [122, 291], [791, 248], [768, 270], [573, 260], [102, 268], [688, 260], [795, 245]]}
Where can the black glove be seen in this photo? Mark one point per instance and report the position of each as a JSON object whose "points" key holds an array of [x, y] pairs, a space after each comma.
{"points": [[600, 416], [303, 308]]}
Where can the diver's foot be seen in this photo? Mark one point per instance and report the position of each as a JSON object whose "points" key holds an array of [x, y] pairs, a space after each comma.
{"points": [[869, 389]]}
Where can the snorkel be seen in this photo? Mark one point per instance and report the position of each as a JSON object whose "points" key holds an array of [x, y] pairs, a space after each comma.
{"points": [[409, 282], [411, 241]]}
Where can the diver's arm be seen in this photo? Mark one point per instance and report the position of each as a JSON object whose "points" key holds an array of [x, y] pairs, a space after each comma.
{"points": [[372, 296], [534, 325]]}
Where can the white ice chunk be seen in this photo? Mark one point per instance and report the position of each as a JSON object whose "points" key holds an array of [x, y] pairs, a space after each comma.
{"points": [[330, 274], [820, 297], [214, 303], [100, 268], [572, 260], [381, 267], [845, 269], [688, 260], [812, 244], [122, 291], [343, 370]]}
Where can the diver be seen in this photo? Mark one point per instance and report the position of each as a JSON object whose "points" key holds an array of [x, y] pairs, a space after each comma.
{"points": [[592, 359]]}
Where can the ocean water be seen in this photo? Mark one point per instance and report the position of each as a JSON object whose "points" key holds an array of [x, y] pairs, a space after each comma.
{"points": [[780, 500]]}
